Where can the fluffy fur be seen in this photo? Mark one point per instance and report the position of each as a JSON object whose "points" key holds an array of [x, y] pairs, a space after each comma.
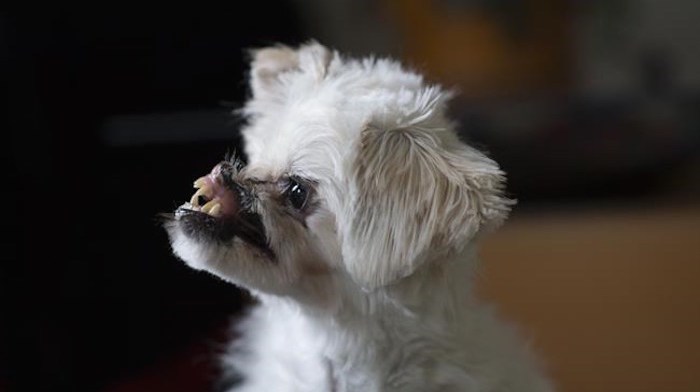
{"points": [[368, 287]]}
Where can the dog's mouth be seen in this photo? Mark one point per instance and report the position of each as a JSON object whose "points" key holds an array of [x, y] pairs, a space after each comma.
{"points": [[217, 212], [217, 194]]}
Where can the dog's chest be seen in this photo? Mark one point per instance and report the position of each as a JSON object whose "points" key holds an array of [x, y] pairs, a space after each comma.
{"points": [[295, 353]]}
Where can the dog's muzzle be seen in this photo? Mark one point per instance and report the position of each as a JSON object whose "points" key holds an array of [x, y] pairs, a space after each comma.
{"points": [[217, 193], [222, 209]]}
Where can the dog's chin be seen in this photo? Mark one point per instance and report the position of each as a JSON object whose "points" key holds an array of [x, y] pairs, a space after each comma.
{"points": [[204, 241], [223, 230]]}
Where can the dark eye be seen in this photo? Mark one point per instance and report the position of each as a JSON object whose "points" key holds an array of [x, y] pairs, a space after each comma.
{"points": [[297, 193]]}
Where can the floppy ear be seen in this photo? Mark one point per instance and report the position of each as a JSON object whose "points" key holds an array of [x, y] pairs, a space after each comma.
{"points": [[270, 65], [418, 194]]}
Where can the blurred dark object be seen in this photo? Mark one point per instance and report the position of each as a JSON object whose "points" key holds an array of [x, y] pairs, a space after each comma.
{"points": [[489, 48], [578, 150], [91, 294]]}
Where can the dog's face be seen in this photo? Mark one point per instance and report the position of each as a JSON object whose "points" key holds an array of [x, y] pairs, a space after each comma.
{"points": [[355, 179]]}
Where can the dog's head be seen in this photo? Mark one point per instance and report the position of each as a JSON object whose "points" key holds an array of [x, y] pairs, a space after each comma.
{"points": [[355, 177]]}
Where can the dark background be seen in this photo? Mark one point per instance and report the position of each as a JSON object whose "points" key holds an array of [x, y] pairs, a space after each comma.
{"points": [[111, 112], [90, 292]]}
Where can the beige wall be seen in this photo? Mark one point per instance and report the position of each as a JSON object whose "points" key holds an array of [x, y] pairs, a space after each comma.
{"points": [[611, 299]]}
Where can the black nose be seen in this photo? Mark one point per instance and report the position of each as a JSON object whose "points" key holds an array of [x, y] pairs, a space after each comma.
{"points": [[227, 170], [228, 173]]}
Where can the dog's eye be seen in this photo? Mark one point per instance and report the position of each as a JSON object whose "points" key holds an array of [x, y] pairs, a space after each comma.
{"points": [[297, 193]]}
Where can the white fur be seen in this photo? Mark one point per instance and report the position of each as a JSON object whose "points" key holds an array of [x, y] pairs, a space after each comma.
{"points": [[374, 292]]}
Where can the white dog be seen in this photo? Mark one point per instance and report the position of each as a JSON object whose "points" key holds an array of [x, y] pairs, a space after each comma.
{"points": [[354, 224]]}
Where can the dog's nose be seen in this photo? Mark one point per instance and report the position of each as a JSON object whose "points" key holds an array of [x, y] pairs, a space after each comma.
{"points": [[227, 173]]}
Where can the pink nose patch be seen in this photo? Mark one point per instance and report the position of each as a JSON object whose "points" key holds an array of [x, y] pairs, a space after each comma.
{"points": [[213, 197]]}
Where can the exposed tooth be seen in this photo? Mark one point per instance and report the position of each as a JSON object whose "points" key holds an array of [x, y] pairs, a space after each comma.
{"points": [[201, 191], [200, 182], [210, 205], [216, 210]]}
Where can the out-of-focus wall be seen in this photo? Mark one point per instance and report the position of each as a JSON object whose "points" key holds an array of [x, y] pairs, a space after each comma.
{"points": [[610, 297], [615, 40], [489, 47]]}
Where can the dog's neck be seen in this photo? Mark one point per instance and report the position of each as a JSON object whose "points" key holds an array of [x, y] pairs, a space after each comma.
{"points": [[425, 309]]}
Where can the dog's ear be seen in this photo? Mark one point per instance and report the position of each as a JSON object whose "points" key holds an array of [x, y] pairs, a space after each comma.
{"points": [[419, 193], [270, 65]]}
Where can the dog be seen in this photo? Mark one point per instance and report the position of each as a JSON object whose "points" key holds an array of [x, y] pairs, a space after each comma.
{"points": [[354, 223]]}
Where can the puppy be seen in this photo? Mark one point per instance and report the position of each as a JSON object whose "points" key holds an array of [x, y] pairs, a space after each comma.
{"points": [[354, 225]]}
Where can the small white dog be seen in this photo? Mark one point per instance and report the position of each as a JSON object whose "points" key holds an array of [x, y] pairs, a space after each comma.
{"points": [[354, 224]]}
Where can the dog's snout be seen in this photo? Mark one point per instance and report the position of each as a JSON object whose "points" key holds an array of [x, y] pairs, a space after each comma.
{"points": [[221, 208], [218, 194]]}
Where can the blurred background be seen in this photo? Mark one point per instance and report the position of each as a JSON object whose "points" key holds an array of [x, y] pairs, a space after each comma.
{"points": [[111, 111]]}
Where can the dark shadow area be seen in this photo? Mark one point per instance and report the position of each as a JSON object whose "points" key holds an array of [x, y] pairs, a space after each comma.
{"points": [[91, 295]]}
